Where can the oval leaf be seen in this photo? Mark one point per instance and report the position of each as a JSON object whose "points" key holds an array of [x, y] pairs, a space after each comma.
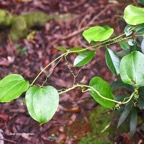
{"points": [[112, 61], [125, 113], [101, 89], [124, 45], [132, 69], [135, 47], [98, 33], [11, 87], [84, 58], [61, 48], [134, 15], [42, 103], [120, 85], [141, 103], [133, 121], [139, 29]]}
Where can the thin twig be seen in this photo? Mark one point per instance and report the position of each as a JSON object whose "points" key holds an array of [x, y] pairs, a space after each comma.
{"points": [[8, 140], [78, 4]]}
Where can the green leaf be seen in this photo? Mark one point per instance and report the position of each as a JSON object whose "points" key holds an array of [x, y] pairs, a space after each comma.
{"points": [[141, 91], [112, 61], [132, 69], [11, 87], [120, 85], [133, 121], [135, 47], [77, 49], [61, 48], [142, 1], [125, 113], [124, 45], [141, 103], [101, 91], [84, 58], [42, 103], [134, 15], [98, 33], [139, 29]]}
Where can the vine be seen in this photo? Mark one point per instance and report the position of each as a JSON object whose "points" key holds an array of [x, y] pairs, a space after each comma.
{"points": [[42, 101]]}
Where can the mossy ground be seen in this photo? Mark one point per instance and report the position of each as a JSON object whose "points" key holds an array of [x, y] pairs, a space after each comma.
{"points": [[100, 130]]}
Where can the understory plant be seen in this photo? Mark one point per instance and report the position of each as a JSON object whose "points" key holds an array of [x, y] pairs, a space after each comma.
{"points": [[127, 64]]}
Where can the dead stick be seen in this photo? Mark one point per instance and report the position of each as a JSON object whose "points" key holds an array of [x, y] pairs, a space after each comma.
{"points": [[8, 140]]}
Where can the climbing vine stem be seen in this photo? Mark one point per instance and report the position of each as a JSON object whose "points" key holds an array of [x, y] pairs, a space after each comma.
{"points": [[97, 46], [47, 67], [82, 86]]}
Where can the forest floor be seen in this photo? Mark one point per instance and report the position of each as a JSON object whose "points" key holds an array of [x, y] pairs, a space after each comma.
{"points": [[76, 120]]}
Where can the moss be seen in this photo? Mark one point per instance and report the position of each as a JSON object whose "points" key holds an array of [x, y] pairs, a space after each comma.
{"points": [[104, 127], [18, 28], [99, 120], [5, 18], [36, 19], [19, 25]]}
